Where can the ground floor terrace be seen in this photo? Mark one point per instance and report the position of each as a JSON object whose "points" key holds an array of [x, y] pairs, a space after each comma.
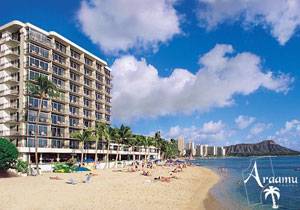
{"points": [[53, 154]]}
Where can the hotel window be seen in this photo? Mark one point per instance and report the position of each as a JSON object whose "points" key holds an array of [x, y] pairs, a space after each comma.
{"points": [[57, 119], [58, 82], [98, 66], [57, 131], [32, 127], [33, 74], [87, 123], [99, 77], [87, 92], [74, 110], [74, 122], [74, 99], [87, 102], [74, 144], [38, 50], [34, 62], [87, 82], [107, 81], [31, 142], [57, 143], [75, 65], [74, 77], [107, 90], [108, 109], [107, 99], [59, 58], [57, 106], [98, 86], [60, 47], [98, 106], [58, 70], [32, 115], [75, 54], [34, 103], [107, 117], [87, 72], [88, 61], [107, 72], [39, 37], [87, 113], [74, 88], [98, 96], [98, 115]]}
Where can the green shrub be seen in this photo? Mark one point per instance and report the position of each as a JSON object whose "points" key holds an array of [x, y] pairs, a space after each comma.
{"points": [[62, 168], [21, 166], [8, 154]]}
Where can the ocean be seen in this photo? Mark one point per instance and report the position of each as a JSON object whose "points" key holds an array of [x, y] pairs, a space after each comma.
{"points": [[281, 173]]}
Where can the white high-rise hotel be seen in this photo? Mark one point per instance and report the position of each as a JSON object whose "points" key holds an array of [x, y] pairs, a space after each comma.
{"points": [[83, 79]]}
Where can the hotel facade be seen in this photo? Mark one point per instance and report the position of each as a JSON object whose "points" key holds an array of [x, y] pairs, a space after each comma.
{"points": [[83, 80]]}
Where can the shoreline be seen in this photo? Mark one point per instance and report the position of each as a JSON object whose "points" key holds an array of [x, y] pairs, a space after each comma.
{"points": [[110, 190]]}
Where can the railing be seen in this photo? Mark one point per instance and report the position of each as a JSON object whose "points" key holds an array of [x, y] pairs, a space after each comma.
{"points": [[8, 132], [10, 37], [41, 38], [8, 118], [9, 92], [13, 78], [8, 106], [14, 51], [9, 64]]}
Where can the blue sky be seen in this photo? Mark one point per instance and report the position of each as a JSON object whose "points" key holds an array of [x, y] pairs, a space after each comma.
{"points": [[189, 38]]}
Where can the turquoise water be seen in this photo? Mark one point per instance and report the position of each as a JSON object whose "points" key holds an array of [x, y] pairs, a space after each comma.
{"points": [[235, 195]]}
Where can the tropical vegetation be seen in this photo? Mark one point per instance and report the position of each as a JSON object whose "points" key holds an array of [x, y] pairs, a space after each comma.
{"points": [[42, 88], [8, 154]]}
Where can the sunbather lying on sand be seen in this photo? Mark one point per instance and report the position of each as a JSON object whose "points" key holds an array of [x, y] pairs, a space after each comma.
{"points": [[163, 178], [55, 178], [146, 173]]}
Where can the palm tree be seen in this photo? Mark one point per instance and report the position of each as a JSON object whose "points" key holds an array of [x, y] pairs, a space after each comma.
{"points": [[111, 135], [132, 142], [140, 141], [158, 141], [101, 132], [83, 137], [274, 192], [41, 88], [150, 141], [122, 136]]}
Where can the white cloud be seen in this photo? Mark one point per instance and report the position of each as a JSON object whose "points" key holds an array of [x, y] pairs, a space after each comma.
{"points": [[259, 128], [282, 17], [291, 128], [140, 92], [243, 122], [119, 25], [209, 132]]}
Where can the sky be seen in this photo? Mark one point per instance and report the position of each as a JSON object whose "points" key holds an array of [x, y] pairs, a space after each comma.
{"points": [[217, 72]]}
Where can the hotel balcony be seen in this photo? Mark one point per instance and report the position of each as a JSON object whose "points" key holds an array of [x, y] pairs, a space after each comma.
{"points": [[39, 38], [9, 79], [9, 119], [12, 65], [8, 106], [9, 93], [10, 53], [12, 40], [11, 132]]}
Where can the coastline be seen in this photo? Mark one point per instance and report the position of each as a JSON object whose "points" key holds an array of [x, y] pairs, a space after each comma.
{"points": [[110, 190]]}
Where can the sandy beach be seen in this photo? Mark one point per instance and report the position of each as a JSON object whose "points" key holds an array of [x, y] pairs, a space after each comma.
{"points": [[109, 190]]}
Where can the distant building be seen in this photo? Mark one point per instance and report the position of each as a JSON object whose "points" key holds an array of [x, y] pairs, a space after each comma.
{"points": [[190, 148], [205, 150], [181, 146]]}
